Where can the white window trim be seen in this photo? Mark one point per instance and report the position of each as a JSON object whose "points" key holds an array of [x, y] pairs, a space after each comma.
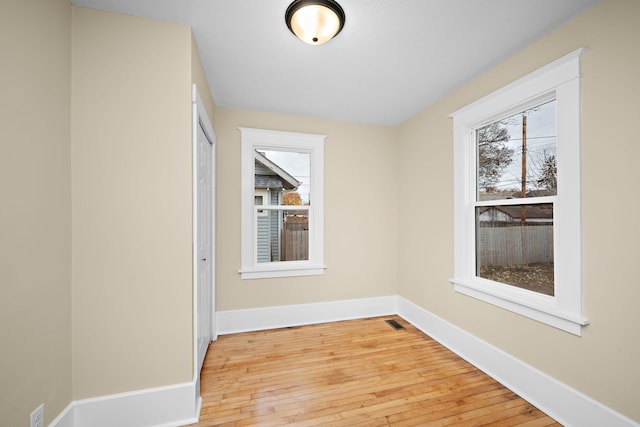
{"points": [[261, 139], [559, 79]]}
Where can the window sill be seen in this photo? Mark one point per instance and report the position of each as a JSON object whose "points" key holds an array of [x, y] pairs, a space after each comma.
{"points": [[282, 271], [545, 313]]}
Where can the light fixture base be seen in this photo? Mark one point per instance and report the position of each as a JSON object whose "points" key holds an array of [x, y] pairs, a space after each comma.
{"points": [[315, 21]]}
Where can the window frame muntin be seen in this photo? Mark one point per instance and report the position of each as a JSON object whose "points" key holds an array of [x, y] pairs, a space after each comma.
{"points": [[262, 139], [560, 80]]}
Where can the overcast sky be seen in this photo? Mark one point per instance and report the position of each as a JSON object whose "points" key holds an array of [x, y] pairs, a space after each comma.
{"points": [[541, 136], [295, 164]]}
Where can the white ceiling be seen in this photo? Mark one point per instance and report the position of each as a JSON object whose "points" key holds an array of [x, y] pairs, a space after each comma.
{"points": [[393, 58]]}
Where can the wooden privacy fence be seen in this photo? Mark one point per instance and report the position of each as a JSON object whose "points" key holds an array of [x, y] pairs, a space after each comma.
{"points": [[295, 245], [515, 244], [295, 240]]}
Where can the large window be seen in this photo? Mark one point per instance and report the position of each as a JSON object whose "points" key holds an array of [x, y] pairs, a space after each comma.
{"points": [[516, 188], [517, 196], [282, 198]]}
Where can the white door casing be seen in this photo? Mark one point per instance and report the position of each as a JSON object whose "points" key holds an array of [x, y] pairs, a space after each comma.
{"points": [[204, 230]]}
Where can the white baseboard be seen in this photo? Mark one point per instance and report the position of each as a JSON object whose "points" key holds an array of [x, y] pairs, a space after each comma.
{"points": [[65, 418], [563, 403], [256, 319], [168, 406], [178, 405]]}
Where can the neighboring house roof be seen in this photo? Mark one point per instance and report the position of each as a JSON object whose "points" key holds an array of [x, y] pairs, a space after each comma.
{"points": [[277, 176], [516, 194], [532, 212], [538, 212], [268, 181], [538, 193]]}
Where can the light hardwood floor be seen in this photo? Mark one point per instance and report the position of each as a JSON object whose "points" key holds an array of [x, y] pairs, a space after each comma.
{"points": [[351, 373]]}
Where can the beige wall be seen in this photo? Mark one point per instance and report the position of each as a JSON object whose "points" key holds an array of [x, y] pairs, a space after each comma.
{"points": [[200, 79], [131, 182], [361, 189], [604, 362], [35, 213]]}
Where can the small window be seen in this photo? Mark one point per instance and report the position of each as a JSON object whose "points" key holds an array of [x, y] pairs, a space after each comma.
{"points": [[517, 197], [260, 199], [282, 231]]}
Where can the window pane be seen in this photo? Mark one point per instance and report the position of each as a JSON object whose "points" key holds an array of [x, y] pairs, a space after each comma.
{"points": [[285, 179], [283, 235], [514, 245], [286, 171], [501, 147]]}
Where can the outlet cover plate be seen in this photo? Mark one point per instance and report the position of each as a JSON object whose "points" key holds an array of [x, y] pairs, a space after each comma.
{"points": [[37, 417]]}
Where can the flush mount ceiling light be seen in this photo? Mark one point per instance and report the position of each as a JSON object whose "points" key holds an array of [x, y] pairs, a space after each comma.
{"points": [[315, 21]]}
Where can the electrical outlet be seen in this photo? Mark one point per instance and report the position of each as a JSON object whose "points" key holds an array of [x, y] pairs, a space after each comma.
{"points": [[37, 417]]}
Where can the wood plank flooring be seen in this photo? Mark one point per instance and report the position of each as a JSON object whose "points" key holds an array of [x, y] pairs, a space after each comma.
{"points": [[352, 373]]}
